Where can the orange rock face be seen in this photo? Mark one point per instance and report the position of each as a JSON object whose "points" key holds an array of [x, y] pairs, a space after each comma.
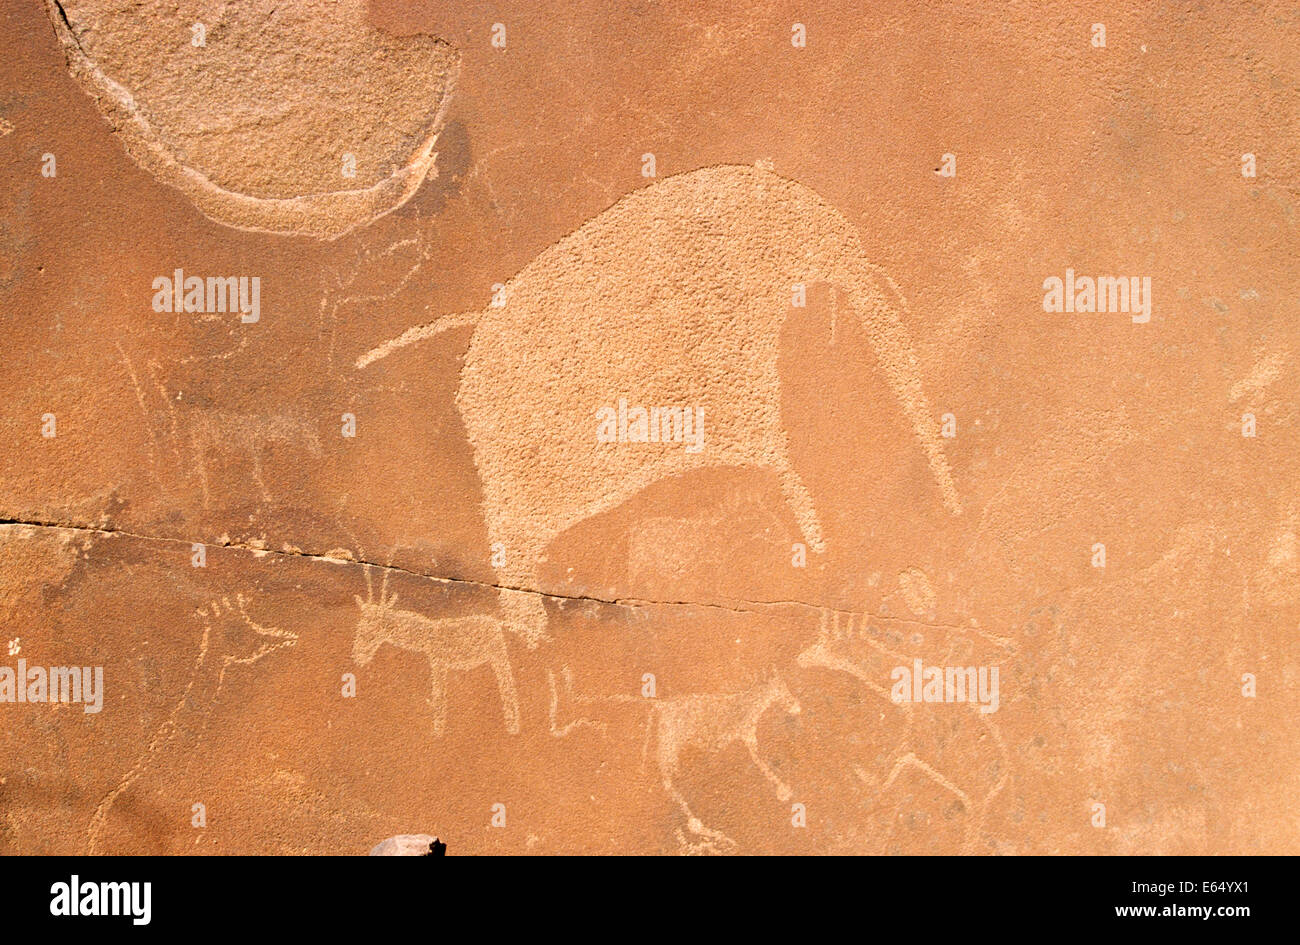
{"points": [[555, 428]]}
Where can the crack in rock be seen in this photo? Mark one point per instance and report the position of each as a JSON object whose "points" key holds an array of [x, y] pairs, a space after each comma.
{"points": [[743, 606]]}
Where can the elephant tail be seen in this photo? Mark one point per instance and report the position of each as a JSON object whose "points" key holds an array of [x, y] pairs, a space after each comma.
{"points": [[879, 304], [418, 333]]}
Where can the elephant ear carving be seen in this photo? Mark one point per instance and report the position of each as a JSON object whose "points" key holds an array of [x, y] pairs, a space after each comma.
{"points": [[295, 118]]}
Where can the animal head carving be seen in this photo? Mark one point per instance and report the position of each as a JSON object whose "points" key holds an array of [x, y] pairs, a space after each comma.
{"points": [[376, 616], [752, 513]]}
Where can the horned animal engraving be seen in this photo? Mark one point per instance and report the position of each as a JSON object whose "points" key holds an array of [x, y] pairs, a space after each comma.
{"points": [[460, 643]]}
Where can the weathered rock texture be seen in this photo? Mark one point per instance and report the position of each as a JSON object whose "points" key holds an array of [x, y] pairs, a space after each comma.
{"points": [[368, 561], [290, 117]]}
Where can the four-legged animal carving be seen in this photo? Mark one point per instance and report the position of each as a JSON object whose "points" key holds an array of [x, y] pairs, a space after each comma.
{"points": [[712, 723], [249, 435], [721, 246], [667, 547], [449, 642]]}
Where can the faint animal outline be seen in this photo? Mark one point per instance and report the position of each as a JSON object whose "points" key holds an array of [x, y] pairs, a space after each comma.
{"points": [[211, 429], [713, 722], [820, 655], [652, 541], [164, 733], [465, 642], [728, 201]]}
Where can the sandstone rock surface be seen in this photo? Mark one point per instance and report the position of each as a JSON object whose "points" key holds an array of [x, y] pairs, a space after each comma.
{"points": [[347, 485], [289, 117]]}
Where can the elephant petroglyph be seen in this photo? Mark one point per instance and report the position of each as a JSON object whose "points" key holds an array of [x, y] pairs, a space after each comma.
{"points": [[674, 295]]}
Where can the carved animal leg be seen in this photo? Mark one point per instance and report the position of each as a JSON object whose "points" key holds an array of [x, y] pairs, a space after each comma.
{"points": [[506, 687], [693, 823], [564, 731], [667, 757], [257, 473], [801, 503], [438, 699], [783, 792], [933, 775]]}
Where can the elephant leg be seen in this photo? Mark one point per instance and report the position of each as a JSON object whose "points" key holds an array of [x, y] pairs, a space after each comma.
{"points": [[522, 603], [800, 501], [506, 688], [783, 792]]}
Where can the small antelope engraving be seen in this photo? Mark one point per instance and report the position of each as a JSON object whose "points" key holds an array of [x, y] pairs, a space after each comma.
{"points": [[711, 723], [449, 643]]}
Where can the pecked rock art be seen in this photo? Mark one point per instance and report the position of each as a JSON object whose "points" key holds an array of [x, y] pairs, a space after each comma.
{"points": [[183, 438], [665, 545], [231, 637], [1160, 685], [248, 435], [462, 643], [709, 722], [712, 723], [296, 118], [674, 297], [846, 644]]}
